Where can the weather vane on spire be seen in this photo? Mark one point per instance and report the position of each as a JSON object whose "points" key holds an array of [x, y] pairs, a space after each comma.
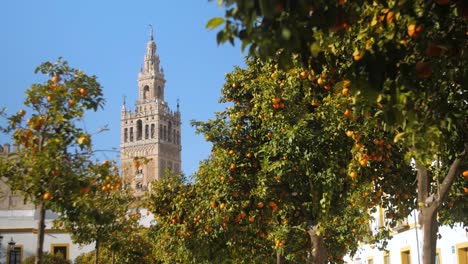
{"points": [[151, 32]]}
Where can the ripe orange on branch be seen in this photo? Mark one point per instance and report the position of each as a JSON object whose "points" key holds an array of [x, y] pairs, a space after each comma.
{"points": [[47, 196], [56, 78], [465, 174]]}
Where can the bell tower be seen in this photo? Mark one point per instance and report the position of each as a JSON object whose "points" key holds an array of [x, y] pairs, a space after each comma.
{"points": [[150, 134]]}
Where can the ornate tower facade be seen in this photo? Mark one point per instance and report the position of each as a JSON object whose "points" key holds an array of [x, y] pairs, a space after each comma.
{"points": [[150, 135]]}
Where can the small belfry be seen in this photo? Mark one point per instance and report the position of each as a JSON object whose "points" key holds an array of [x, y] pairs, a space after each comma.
{"points": [[150, 140]]}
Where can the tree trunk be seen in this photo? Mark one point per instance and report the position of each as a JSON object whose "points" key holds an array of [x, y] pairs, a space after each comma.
{"points": [[319, 251], [96, 252], [40, 233], [113, 257], [430, 203], [429, 227], [278, 257]]}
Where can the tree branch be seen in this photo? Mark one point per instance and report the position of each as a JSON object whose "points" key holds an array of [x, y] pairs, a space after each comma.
{"points": [[450, 177]]}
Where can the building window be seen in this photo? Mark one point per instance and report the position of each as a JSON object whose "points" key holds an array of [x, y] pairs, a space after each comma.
{"points": [[15, 255], [160, 131], [437, 257], [406, 256], [462, 253], [152, 130], [169, 133], [178, 137], [125, 134], [165, 133], [131, 134], [139, 129], [145, 92], [60, 250], [386, 258], [162, 168], [146, 131]]}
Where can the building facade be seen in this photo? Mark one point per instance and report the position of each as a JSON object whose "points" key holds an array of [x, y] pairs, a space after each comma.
{"points": [[405, 246], [150, 140], [19, 224]]}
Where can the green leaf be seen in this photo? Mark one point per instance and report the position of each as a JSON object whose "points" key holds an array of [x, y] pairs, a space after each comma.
{"points": [[214, 22]]}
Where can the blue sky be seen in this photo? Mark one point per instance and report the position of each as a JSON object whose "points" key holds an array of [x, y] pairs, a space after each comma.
{"points": [[108, 39]]}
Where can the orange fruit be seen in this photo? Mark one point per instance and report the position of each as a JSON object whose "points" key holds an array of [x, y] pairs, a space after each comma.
{"points": [[353, 175], [303, 75], [411, 30], [465, 174], [345, 91], [83, 91], [260, 205], [423, 70], [56, 78], [47, 196], [442, 2], [390, 17], [347, 113]]}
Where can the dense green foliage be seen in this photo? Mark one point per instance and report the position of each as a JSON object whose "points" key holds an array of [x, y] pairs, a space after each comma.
{"points": [[48, 259], [290, 156], [405, 58]]}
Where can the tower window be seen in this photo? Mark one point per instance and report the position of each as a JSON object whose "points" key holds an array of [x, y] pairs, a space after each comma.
{"points": [[145, 92], [152, 130], [125, 134], [131, 134], [165, 133], [169, 134], [146, 131], [160, 131], [139, 129]]}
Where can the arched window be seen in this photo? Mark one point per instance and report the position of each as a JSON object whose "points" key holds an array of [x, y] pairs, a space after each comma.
{"points": [[152, 130], [165, 133], [125, 134], [139, 129], [131, 134], [160, 131], [146, 92], [159, 92], [169, 132], [146, 131]]}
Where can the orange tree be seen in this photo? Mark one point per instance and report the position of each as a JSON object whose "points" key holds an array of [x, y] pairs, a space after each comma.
{"points": [[294, 174], [406, 58], [100, 212], [54, 152], [132, 247]]}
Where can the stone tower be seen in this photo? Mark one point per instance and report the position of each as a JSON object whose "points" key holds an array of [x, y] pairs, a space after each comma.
{"points": [[150, 133]]}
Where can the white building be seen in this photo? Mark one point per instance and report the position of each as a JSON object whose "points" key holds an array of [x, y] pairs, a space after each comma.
{"points": [[406, 244]]}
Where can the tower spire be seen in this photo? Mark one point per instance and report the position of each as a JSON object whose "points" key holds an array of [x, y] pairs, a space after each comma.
{"points": [[151, 31]]}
